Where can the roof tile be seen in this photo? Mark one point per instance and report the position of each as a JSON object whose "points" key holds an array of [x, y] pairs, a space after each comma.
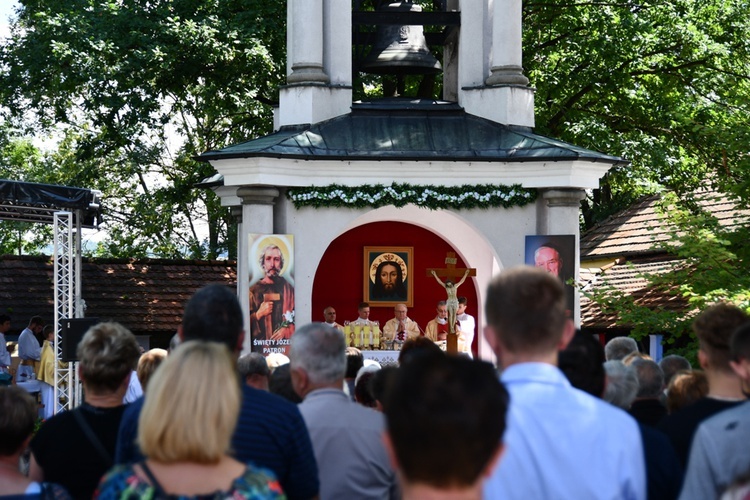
{"points": [[130, 292]]}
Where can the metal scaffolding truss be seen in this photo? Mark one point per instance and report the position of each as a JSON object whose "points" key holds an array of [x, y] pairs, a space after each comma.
{"points": [[68, 304], [68, 209]]}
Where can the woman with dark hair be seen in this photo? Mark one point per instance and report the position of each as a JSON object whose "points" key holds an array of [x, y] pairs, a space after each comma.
{"points": [[17, 418]]}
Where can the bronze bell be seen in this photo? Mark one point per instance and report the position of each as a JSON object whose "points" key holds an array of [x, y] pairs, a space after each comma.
{"points": [[401, 50]]}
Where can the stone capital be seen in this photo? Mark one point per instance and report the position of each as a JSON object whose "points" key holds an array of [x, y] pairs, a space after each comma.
{"points": [[563, 197], [258, 195]]}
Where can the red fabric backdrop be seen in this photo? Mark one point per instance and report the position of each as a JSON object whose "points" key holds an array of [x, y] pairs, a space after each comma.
{"points": [[339, 278]]}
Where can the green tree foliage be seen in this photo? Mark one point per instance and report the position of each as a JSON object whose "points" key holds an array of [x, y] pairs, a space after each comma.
{"points": [[661, 83], [135, 89], [21, 160], [711, 262], [666, 85]]}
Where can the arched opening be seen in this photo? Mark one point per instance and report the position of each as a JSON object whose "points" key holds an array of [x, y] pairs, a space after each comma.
{"points": [[335, 284]]}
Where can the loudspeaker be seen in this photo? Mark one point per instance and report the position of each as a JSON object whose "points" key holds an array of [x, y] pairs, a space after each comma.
{"points": [[72, 331]]}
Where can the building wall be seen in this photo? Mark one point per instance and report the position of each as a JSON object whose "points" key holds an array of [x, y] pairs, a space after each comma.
{"points": [[488, 240], [339, 278]]}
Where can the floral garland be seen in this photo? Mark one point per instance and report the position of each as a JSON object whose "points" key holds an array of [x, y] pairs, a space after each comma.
{"points": [[399, 195]]}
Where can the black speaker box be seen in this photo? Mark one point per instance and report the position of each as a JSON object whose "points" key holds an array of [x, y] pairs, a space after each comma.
{"points": [[72, 332]]}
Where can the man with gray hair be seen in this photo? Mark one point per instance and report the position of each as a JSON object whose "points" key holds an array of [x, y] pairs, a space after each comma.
{"points": [[619, 347], [647, 409], [622, 384], [254, 370], [272, 299], [663, 469], [347, 438]]}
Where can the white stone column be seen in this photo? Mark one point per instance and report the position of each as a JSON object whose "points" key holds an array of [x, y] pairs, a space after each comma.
{"points": [[506, 44], [474, 42], [305, 28], [242, 267], [491, 83], [562, 217], [337, 41], [255, 217], [319, 66]]}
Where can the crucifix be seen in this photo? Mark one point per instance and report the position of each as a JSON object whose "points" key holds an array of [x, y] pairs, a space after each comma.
{"points": [[451, 272]]}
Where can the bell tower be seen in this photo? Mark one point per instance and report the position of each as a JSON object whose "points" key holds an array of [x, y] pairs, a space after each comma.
{"points": [[319, 63], [481, 64]]}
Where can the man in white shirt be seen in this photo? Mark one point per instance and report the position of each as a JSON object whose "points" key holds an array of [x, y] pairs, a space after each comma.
{"points": [[4, 354], [29, 349], [363, 318], [561, 442], [468, 324]]}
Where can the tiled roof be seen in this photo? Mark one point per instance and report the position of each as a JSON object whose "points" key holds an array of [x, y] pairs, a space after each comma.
{"points": [[629, 278], [635, 230], [406, 129], [145, 295], [627, 242]]}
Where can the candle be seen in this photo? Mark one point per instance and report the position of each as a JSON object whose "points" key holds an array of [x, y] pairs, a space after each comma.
{"points": [[357, 336]]}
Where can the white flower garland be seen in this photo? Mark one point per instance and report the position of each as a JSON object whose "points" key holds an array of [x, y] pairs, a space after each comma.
{"points": [[432, 197]]}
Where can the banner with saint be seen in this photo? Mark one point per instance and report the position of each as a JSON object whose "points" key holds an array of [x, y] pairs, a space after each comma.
{"points": [[271, 292]]}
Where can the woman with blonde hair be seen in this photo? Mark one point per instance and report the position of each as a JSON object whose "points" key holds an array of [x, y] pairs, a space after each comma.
{"points": [[185, 430]]}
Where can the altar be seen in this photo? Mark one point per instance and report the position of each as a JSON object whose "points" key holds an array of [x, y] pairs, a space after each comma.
{"points": [[385, 357]]}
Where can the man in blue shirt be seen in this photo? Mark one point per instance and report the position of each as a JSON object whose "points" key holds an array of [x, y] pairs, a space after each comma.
{"points": [[561, 442], [4, 354], [29, 349], [270, 431]]}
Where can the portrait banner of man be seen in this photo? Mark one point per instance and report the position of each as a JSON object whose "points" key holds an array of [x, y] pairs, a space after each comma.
{"points": [[388, 276], [555, 254], [271, 292]]}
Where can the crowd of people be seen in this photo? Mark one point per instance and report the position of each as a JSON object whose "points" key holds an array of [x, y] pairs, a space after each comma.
{"points": [[559, 416]]}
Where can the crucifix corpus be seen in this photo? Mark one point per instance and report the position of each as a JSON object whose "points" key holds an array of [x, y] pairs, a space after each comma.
{"points": [[451, 272]]}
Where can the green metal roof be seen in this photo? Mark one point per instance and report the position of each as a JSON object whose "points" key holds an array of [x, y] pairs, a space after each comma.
{"points": [[401, 129]]}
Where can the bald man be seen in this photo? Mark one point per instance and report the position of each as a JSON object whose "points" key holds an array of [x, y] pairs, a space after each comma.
{"points": [[329, 313]]}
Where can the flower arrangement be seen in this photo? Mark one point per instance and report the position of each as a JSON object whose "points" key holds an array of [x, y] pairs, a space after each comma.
{"points": [[427, 196]]}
